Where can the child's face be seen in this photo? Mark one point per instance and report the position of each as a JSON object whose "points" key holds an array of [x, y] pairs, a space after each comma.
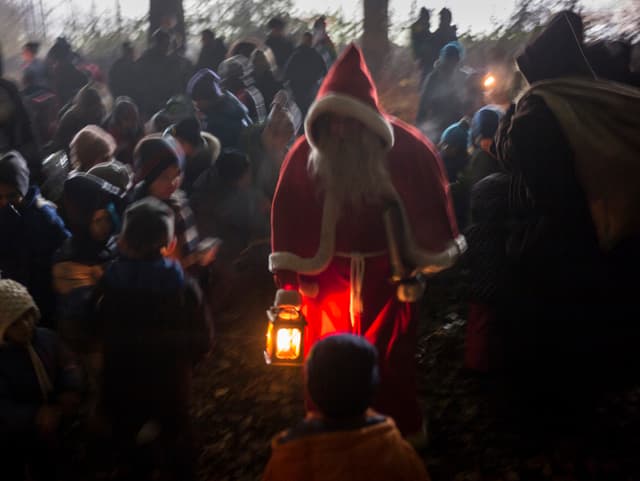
{"points": [[9, 195], [166, 184], [21, 331], [101, 225]]}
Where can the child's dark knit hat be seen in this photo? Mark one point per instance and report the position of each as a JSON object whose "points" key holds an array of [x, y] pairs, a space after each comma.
{"points": [[148, 225], [153, 155], [342, 375]]}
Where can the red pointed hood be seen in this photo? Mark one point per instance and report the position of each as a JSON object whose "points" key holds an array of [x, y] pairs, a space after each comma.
{"points": [[348, 90]]}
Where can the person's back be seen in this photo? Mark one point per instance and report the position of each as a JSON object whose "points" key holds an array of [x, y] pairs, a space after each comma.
{"points": [[343, 440], [158, 75], [282, 49], [121, 73], [441, 99], [304, 71], [153, 326], [227, 119]]}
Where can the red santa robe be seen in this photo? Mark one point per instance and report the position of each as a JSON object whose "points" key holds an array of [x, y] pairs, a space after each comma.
{"points": [[340, 263]]}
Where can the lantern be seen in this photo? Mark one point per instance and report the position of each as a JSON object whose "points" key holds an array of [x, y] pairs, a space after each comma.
{"points": [[285, 336], [489, 81]]}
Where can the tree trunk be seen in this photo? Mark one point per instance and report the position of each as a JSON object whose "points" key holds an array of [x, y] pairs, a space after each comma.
{"points": [[160, 13], [375, 38]]}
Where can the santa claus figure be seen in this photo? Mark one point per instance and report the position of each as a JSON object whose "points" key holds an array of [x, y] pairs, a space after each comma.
{"points": [[331, 245]]}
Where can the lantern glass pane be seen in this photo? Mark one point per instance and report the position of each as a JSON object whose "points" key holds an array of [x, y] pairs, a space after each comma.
{"points": [[288, 343], [269, 344]]}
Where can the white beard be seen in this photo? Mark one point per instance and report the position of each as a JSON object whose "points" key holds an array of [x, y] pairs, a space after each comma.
{"points": [[353, 172]]}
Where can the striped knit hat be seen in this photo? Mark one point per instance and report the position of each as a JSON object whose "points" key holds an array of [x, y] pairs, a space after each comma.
{"points": [[15, 301]]}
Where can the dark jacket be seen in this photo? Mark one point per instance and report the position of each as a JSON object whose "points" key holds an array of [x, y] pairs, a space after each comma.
{"points": [[441, 101], [199, 162], [121, 78], [77, 268], [16, 131], [237, 215], [20, 392], [158, 78], [304, 71], [67, 82], [226, 119], [30, 236], [268, 86], [153, 326], [211, 55], [282, 49]]}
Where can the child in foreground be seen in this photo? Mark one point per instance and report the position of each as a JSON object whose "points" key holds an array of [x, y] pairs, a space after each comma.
{"points": [[345, 439]]}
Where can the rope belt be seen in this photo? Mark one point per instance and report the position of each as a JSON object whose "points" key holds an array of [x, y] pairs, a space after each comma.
{"points": [[356, 280]]}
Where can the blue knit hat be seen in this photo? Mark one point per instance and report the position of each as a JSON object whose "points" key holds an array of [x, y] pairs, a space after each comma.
{"points": [[456, 135], [342, 375], [451, 50], [205, 84], [484, 123]]}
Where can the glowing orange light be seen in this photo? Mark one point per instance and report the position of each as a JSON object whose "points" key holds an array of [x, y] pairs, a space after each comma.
{"points": [[285, 336], [288, 343], [489, 81]]}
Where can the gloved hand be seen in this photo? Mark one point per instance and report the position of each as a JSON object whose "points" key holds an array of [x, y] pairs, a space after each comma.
{"points": [[287, 297]]}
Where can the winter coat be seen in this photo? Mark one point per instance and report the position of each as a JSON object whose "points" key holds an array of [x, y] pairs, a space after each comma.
{"points": [[16, 129], [78, 267], [211, 55], [304, 71], [67, 82], [153, 326], [282, 49], [157, 78], [31, 234], [198, 163], [370, 452], [441, 101], [20, 392], [239, 216], [268, 87], [226, 119], [121, 78]]}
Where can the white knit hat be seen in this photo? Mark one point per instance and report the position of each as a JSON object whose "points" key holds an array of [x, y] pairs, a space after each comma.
{"points": [[15, 300]]}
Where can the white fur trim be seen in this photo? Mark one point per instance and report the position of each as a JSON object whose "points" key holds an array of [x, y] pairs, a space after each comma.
{"points": [[286, 297], [426, 262], [349, 106], [213, 143], [286, 261]]}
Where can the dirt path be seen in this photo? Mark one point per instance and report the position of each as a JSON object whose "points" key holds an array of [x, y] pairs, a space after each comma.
{"points": [[477, 431]]}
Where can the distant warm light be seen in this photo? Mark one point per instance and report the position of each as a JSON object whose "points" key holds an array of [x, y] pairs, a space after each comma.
{"points": [[489, 81], [288, 343]]}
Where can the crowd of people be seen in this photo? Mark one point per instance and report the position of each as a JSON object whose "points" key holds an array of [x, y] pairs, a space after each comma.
{"points": [[123, 209]]}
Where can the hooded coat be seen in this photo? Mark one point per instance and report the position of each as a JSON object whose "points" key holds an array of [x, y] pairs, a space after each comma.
{"points": [[31, 234], [342, 267]]}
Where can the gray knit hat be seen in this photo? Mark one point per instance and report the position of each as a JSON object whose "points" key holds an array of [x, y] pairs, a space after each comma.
{"points": [[114, 172], [148, 226], [15, 301]]}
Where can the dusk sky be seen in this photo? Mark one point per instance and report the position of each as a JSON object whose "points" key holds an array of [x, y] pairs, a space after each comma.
{"points": [[474, 15]]}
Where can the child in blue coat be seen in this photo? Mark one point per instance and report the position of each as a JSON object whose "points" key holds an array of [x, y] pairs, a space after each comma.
{"points": [[40, 385], [31, 233]]}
